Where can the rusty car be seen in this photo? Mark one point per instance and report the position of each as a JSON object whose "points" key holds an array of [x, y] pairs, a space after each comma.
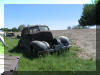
{"points": [[38, 39]]}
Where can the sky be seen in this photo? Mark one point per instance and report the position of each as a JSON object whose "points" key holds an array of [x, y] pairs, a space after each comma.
{"points": [[59, 15], [56, 16]]}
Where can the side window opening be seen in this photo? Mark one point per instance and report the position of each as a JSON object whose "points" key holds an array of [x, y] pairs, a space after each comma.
{"points": [[34, 29]]}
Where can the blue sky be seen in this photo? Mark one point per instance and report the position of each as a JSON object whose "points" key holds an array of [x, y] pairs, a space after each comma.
{"points": [[3, 2], [56, 16]]}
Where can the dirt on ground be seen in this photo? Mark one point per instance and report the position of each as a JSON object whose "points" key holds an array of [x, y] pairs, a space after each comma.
{"points": [[84, 38]]}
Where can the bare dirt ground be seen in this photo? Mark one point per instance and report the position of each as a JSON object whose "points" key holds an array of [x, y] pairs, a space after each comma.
{"points": [[84, 38]]}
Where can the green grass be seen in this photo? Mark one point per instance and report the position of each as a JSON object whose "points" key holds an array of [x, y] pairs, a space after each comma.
{"points": [[68, 61], [1, 48]]}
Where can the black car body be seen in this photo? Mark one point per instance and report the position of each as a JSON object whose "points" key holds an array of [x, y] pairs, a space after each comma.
{"points": [[39, 39]]}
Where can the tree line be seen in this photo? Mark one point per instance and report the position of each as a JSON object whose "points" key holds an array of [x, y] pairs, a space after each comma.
{"points": [[14, 29]]}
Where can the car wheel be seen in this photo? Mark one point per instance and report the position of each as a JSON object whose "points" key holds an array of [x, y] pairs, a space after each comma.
{"points": [[34, 51]]}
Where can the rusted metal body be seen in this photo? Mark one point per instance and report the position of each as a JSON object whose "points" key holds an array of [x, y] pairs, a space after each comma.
{"points": [[39, 38]]}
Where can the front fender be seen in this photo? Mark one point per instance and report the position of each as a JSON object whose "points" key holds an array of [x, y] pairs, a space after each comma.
{"points": [[64, 40], [40, 45]]}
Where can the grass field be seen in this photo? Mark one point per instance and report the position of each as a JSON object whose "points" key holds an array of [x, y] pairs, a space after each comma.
{"points": [[68, 61], [1, 48]]}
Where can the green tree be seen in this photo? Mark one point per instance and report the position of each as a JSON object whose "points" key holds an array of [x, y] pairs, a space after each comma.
{"points": [[88, 17], [14, 29], [21, 27], [6, 29]]}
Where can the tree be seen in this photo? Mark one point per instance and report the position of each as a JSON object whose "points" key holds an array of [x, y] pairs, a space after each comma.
{"points": [[21, 27], [6, 29], [14, 29], [88, 17]]}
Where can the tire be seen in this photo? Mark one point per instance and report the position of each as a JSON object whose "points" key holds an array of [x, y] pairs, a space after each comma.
{"points": [[34, 51]]}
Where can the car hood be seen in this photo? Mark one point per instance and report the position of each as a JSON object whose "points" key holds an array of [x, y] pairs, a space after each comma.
{"points": [[42, 36]]}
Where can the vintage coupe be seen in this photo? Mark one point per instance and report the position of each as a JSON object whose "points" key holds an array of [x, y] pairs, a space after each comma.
{"points": [[38, 39]]}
